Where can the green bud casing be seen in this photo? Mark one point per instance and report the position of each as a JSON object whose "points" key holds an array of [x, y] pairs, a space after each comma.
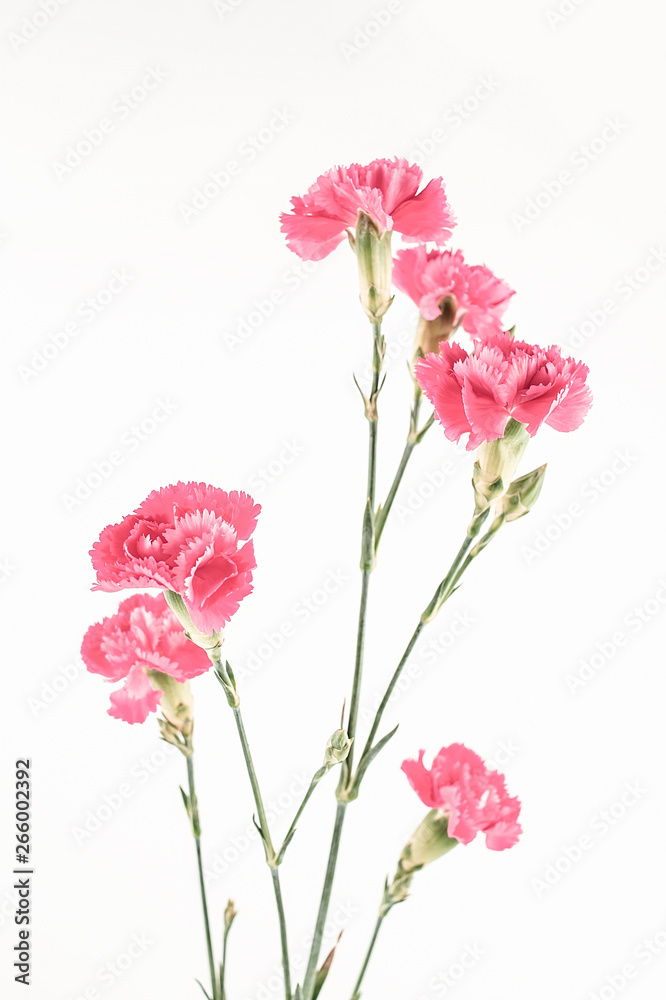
{"points": [[375, 264], [521, 495], [496, 463]]}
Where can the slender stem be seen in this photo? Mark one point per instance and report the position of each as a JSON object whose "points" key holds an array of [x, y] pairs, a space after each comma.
{"points": [[223, 968], [390, 497], [413, 438], [308, 983], [441, 595], [367, 557], [292, 829], [368, 955], [254, 781], [391, 686], [196, 830], [268, 846], [275, 874]]}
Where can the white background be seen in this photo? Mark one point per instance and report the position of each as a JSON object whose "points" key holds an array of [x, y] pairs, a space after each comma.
{"points": [[551, 592]]}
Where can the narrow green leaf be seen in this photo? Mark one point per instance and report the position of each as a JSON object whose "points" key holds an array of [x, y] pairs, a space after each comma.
{"points": [[202, 989], [368, 758], [323, 972]]}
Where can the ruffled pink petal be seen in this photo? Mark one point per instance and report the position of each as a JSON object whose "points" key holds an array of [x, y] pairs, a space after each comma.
{"points": [[136, 699], [419, 778], [435, 374], [484, 410], [408, 272], [573, 404], [94, 656], [426, 217], [171, 503], [312, 237], [221, 608], [503, 835]]}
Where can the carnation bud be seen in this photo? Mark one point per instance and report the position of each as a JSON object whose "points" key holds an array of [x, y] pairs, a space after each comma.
{"points": [[429, 841], [496, 463], [211, 643], [375, 263], [337, 748], [230, 914], [177, 703], [521, 495]]}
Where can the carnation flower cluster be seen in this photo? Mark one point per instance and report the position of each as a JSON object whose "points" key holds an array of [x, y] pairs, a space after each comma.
{"points": [[193, 541]]}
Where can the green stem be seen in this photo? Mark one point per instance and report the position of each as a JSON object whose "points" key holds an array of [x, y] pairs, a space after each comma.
{"points": [[271, 857], [277, 889], [292, 829], [414, 437], [368, 955], [367, 550], [367, 564], [196, 830], [308, 984], [223, 968], [254, 781], [441, 595]]}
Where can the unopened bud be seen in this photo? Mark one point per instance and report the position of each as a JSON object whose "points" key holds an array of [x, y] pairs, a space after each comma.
{"points": [[337, 748], [177, 703], [375, 263], [429, 841], [211, 643], [496, 463], [230, 914]]}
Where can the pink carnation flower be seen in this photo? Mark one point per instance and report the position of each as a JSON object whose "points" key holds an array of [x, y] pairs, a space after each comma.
{"points": [[440, 282], [185, 538], [476, 394], [473, 797], [386, 190], [143, 633]]}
